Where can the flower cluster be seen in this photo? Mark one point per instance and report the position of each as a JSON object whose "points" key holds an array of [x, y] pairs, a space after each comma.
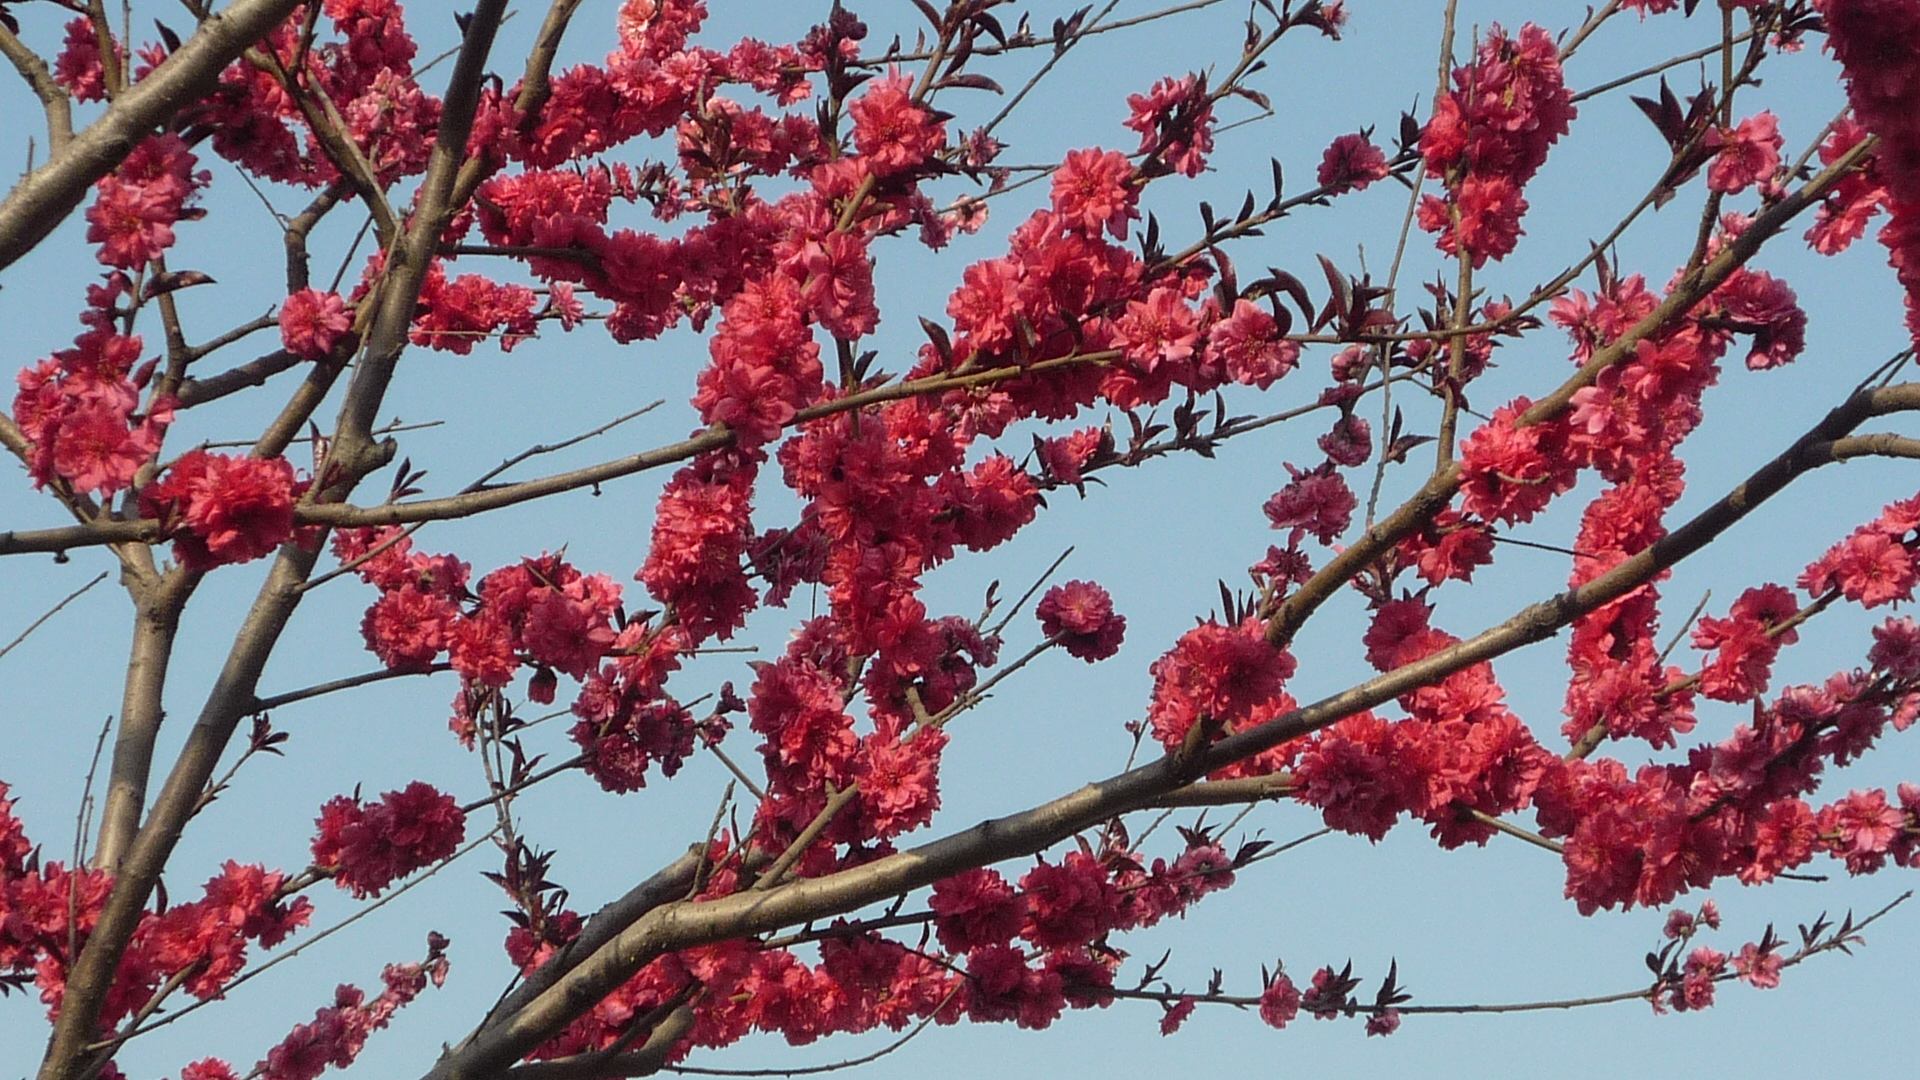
{"points": [[47, 910], [1489, 134], [223, 508], [1459, 751], [1029, 949], [137, 205], [1875, 565], [1747, 640], [1220, 679], [1733, 808], [367, 846], [338, 1032], [81, 410], [1876, 44]]}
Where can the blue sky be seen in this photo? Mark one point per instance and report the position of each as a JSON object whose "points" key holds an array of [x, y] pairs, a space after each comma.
{"points": [[1477, 925]]}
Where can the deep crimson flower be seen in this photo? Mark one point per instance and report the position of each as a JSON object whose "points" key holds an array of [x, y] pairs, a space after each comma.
{"points": [[1177, 1013], [976, 908], [1896, 648], [992, 502], [1746, 642], [1350, 443], [368, 846], [1081, 615], [1351, 163], [78, 66], [1069, 903], [1315, 503], [1279, 1002], [1001, 987], [621, 739]]}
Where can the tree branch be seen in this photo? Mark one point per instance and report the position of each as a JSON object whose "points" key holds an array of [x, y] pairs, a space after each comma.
{"points": [[52, 96], [51, 612], [44, 198]]}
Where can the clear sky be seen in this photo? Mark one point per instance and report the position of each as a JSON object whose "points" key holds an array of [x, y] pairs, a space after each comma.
{"points": [[1483, 925]]}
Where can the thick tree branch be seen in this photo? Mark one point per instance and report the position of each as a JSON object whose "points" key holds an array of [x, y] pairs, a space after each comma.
{"points": [[146, 857], [156, 621], [412, 254], [52, 96]]}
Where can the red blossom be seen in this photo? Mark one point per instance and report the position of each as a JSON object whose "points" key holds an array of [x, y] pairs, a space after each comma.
{"points": [[1749, 154], [1158, 330], [1489, 134], [1216, 674], [368, 846], [136, 206], [892, 131], [1351, 163], [1315, 503], [1175, 122], [1093, 191], [1069, 903], [976, 908], [1279, 1002], [312, 322], [1510, 472], [223, 508], [1248, 347], [1081, 615]]}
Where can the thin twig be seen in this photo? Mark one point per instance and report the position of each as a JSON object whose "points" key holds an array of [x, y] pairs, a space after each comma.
{"points": [[348, 683], [814, 1070], [1001, 626], [51, 612]]}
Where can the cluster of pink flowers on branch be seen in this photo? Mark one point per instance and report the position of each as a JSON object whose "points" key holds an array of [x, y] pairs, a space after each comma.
{"points": [[821, 476], [1875, 44], [1489, 135], [48, 910]]}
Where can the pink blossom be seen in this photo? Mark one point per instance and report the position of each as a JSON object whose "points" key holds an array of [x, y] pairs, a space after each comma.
{"points": [[311, 322], [1093, 191], [1749, 154]]}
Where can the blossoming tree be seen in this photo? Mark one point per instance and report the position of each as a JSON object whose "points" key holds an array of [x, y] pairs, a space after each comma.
{"points": [[746, 192]]}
